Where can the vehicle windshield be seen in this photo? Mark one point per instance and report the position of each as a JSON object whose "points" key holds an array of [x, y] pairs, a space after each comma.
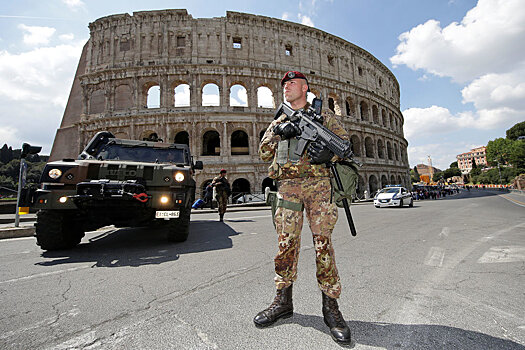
{"points": [[390, 190], [141, 154]]}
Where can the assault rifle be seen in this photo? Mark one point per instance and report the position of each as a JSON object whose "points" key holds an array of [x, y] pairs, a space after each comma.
{"points": [[310, 125]]}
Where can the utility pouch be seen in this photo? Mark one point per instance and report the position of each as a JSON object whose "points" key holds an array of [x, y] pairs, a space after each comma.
{"points": [[349, 178], [275, 202]]}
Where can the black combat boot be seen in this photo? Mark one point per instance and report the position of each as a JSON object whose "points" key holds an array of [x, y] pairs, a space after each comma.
{"points": [[221, 217], [282, 307], [335, 321]]}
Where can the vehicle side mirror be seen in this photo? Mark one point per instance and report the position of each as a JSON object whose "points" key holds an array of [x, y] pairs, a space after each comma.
{"points": [[198, 165]]}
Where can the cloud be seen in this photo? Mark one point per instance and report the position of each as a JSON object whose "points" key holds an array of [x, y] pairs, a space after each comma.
{"points": [[67, 37], [442, 155], [43, 74], [488, 40], [36, 35], [74, 4], [307, 21], [182, 95], [285, 16]]}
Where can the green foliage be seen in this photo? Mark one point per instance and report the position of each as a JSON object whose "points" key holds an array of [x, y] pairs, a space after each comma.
{"points": [[492, 176], [499, 150], [10, 172], [516, 131], [452, 171], [454, 165], [414, 175], [438, 175]]}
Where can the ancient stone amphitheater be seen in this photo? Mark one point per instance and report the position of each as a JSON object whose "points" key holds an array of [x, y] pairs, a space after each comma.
{"points": [[214, 83]]}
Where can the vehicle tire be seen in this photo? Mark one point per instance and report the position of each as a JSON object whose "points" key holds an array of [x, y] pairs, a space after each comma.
{"points": [[178, 229], [411, 203], [377, 206], [58, 229]]}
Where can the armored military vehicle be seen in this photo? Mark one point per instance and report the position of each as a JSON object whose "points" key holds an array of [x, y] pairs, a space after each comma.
{"points": [[115, 182]]}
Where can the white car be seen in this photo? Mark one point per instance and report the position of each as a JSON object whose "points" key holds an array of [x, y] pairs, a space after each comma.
{"points": [[393, 197]]}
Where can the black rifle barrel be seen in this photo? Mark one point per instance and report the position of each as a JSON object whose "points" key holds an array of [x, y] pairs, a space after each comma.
{"points": [[345, 201]]}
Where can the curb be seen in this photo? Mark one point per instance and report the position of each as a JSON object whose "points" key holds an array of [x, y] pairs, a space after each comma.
{"points": [[16, 232]]}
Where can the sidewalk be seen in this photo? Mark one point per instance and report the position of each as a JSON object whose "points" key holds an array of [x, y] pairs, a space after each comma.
{"points": [[27, 229]]}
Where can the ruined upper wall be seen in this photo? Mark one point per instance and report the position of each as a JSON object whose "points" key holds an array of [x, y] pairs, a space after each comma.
{"points": [[173, 37]]}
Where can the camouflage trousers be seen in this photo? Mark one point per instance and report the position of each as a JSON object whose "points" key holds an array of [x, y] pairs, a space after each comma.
{"points": [[222, 199], [315, 195]]}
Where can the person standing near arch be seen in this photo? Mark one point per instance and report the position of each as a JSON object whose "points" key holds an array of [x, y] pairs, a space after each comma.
{"points": [[303, 184], [223, 190]]}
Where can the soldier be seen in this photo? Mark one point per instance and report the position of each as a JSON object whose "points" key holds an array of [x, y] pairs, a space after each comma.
{"points": [[303, 183], [223, 190]]}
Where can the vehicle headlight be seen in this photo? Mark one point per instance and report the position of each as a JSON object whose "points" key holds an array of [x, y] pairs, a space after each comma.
{"points": [[179, 177], [164, 199], [54, 173]]}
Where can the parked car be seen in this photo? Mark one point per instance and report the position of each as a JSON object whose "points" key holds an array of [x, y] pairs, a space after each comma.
{"points": [[393, 196]]}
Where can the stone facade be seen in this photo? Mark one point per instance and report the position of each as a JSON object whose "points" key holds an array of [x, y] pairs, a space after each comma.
{"points": [[129, 56]]}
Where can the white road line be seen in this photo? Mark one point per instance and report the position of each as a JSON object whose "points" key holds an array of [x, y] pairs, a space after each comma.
{"points": [[435, 257], [503, 254], [445, 231], [247, 217], [45, 274]]}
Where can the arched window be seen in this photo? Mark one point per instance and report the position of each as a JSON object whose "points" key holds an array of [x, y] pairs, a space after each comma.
{"points": [[375, 114], [210, 95], [239, 187], [396, 154], [182, 95], [211, 143], [310, 95], [356, 145], [239, 143], [182, 137], [363, 110], [238, 96], [369, 147], [350, 107], [383, 117], [389, 150], [123, 97], [153, 100], [265, 97], [150, 136], [384, 181], [391, 122], [380, 151], [392, 180], [267, 182]]}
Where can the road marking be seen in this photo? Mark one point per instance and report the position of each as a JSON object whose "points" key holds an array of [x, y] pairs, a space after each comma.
{"points": [[435, 257], [248, 217], [15, 239], [503, 254], [45, 274], [515, 201], [445, 231]]}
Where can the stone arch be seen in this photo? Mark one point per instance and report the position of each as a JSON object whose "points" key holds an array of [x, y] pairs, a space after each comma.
{"points": [[372, 184], [350, 107], [149, 135], [182, 137], [182, 95], [123, 97], [391, 121], [369, 147], [363, 110], [240, 185], [399, 180], [384, 181], [121, 135], [360, 186], [238, 95], [380, 149], [265, 97], [268, 182], [356, 145], [392, 179], [396, 154], [389, 150], [375, 114], [97, 102], [211, 95], [310, 95], [211, 143], [333, 104], [151, 92], [384, 117], [239, 143]]}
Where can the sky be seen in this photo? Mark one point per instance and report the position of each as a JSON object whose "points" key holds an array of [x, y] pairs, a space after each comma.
{"points": [[460, 64]]}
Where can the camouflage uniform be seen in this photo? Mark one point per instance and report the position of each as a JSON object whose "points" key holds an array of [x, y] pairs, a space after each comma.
{"points": [[307, 184], [221, 193]]}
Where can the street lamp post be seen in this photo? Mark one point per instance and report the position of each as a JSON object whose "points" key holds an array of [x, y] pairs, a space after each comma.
{"points": [[26, 150]]}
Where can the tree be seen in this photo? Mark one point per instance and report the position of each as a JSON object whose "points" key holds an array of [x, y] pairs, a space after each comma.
{"points": [[454, 165], [517, 153], [438, 175], [516, 131], [452, 171], [498, 151], [414, 175]]}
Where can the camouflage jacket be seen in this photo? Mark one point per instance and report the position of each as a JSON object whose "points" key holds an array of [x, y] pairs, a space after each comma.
{"points": [[301, 167]]}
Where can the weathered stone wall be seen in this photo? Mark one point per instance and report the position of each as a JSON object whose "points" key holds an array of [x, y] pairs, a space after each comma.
{"points": [[127, 55]]}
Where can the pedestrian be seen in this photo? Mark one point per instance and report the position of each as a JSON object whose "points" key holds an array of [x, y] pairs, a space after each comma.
{"points": [[208, 195], [303, 183], [223, 191]]}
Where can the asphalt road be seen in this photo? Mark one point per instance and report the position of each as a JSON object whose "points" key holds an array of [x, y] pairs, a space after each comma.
{"points": [[445, 274]]}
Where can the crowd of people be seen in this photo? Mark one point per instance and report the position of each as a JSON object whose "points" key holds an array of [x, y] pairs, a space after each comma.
{"points": [[420, 193]]}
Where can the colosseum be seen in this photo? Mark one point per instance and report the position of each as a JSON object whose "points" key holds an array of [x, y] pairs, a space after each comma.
{"points": [[214, 83]]}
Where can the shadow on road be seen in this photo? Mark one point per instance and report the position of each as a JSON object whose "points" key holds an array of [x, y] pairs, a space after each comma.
{"points": [[142, 246], [392, 336]]}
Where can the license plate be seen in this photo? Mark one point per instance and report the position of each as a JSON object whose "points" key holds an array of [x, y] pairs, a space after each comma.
{"points": [[167, 214]]}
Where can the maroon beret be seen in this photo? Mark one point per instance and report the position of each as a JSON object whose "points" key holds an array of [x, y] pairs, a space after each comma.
{"points": [[293, 74]]}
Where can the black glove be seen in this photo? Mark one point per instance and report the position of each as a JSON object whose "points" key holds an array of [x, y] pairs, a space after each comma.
{"points": [[286, 130], [318, 153]]}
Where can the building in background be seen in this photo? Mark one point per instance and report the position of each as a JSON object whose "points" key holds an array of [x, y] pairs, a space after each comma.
{"points": [[214, 83], [477, 155]]}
